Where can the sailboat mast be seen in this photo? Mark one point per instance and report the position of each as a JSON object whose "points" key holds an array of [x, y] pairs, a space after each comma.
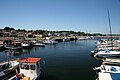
{"points": [[109, 23], [110, 27]]}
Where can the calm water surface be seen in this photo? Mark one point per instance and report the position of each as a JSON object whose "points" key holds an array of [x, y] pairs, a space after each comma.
{"points": [[64, 61]]}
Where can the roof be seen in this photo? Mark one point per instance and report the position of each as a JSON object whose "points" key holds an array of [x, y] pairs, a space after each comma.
{"points": [[29, 60]]}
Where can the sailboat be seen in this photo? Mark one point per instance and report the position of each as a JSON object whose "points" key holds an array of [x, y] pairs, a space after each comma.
{"points": [[108, 51]]}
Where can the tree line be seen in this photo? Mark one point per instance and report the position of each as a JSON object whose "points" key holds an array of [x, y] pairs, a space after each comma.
{"points": [[79, 33]]}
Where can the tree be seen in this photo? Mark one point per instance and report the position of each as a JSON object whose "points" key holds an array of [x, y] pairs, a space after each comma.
{"points": [[12, 29], [7, 29]]}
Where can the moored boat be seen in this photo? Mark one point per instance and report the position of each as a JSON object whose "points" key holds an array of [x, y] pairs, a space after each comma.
{"points": [[27, 44], [30, 69], [50, 42], [8, 67], [39, 44], [12, 47], [105, 53], [108, 71]]}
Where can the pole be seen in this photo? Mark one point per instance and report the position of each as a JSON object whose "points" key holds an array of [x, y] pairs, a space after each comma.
{"points": [[110, 26]]}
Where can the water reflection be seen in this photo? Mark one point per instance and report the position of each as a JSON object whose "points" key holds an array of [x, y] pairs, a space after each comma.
{"points": [[17, 53]]}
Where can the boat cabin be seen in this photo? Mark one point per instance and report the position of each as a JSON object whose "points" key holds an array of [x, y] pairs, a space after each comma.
{"points": [[30, 67]]}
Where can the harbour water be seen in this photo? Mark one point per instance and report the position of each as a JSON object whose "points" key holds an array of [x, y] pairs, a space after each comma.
{"points": [[63, 61]]}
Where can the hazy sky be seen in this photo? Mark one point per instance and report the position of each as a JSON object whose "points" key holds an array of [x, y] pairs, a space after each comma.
{"points": [[77, 15]]}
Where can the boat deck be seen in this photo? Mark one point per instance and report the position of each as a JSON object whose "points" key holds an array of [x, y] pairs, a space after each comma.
{"points": [[105, 76], [109, 76]]}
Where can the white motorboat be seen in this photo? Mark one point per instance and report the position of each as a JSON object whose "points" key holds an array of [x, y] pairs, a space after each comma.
{"points": [[26, 44], [39, 44], [81, 38], [50, 42], [112, 60], [109, 48], [108, 71], [106, 53], [103, 42]]}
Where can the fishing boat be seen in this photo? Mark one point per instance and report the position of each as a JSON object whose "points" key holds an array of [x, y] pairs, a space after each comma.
{"points": [[30, 69], [108, 71], [7, 67]]}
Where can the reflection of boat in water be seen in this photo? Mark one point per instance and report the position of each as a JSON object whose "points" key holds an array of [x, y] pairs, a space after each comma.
{"points": [[13, 52], [17, 53], [30, 69], [8, 67]]}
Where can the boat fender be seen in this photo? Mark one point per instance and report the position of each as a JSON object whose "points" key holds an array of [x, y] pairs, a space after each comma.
{"points": [[19, 76]]}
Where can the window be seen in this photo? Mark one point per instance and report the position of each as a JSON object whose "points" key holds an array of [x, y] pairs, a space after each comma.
{"points": [[26, 67], [32, 67], [21, 66]]}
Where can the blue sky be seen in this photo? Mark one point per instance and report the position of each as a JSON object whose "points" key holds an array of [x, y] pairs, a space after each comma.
{"points": [[77, 15]]}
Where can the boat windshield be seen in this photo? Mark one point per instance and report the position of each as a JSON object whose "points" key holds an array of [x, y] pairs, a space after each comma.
{"points": [[32, 67], [27, 66]]}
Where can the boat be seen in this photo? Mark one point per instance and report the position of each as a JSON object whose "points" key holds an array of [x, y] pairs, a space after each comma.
{"points": [[112, 59], [117, 48], [39, 44], [50, 42], [103, 42], [7, 68], [27, 44], [108, 71], [106, 53], [30, 69], [15, 45], [81, 38], [12, 47]]}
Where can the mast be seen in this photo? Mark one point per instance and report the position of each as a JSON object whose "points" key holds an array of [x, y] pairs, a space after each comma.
{"points": [[110, 26]]}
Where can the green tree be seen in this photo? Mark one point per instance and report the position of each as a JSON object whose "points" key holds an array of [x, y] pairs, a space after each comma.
{"points": [[7, 29]]}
